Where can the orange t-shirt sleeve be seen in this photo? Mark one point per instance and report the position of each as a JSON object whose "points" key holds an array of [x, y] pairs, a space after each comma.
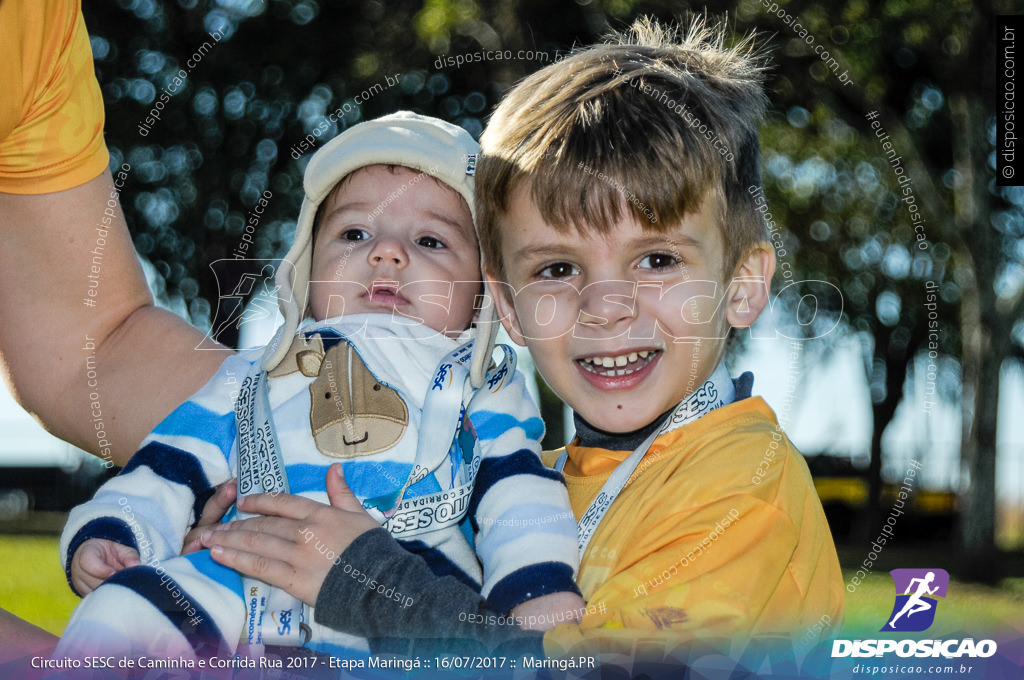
{"points": [[51, 114]]}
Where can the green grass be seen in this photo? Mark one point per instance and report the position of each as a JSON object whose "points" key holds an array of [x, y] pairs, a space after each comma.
{"points": [[32, 583]]}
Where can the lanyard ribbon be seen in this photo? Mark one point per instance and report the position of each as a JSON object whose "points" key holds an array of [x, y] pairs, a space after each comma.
{"points": [[444, 409], [272, 615], [716, 391]]}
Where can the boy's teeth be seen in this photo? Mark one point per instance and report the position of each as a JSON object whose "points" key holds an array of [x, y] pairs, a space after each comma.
{"points": [[618, 361]]}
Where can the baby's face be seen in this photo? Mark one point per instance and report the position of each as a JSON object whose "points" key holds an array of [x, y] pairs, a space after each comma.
{"points": [[396, 241]]}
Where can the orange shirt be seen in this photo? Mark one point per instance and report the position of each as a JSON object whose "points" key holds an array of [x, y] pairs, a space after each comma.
{"points": [[51, 110], [693, 547]]}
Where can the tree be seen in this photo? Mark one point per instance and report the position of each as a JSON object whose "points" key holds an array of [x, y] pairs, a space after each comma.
{"points": [[917, 65]]}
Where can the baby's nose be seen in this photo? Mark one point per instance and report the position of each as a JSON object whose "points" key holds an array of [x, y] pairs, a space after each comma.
{"points": [[388, 250]]}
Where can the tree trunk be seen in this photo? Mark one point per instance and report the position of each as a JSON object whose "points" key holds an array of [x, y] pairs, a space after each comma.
{"points": [[985, 324], [896, 361], [979, 525]]}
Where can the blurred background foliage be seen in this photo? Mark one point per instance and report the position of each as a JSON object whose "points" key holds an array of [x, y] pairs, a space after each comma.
{"points": [[231, 132]]}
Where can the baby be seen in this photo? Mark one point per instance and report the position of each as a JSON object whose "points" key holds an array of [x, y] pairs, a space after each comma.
{"points": [[433, 443]]}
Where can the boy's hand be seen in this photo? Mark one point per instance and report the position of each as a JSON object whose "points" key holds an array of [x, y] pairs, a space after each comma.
{"points": [[294, 543], [547, 611], [213, 513], [98, 559]]}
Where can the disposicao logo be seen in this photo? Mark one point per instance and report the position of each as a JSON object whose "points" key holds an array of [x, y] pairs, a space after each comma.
{"points": [[914, 610]]}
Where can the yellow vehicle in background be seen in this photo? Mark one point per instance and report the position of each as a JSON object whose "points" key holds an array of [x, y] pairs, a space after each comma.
{"points": [[843, 490]]}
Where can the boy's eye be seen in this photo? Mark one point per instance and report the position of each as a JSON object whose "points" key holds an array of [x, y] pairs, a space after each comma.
{"points": [[429, 242], [660, 261], [354, 235], [558, 270]]}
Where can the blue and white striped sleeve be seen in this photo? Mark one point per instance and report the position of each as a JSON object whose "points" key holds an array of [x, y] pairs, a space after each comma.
{"points": [[525, 528], [160, 493]]}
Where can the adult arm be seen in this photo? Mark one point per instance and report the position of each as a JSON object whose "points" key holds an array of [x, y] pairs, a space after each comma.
{"points": [[83, 364], [21, 640], [109, 362], [53, 193]]}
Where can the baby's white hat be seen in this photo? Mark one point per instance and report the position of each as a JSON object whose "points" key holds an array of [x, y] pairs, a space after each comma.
{"points": [[430, 145]]}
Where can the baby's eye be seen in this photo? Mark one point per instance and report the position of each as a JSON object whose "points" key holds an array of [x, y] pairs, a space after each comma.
{"points": [[429, 242], [660, 261], [354, 235], [558, 270]]}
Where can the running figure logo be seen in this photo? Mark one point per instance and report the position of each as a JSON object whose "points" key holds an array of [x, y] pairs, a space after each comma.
{"points": [[914, 610]]}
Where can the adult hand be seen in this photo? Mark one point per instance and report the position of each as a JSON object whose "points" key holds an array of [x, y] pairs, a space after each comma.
{"points": [[296, 541], [213, 513]]}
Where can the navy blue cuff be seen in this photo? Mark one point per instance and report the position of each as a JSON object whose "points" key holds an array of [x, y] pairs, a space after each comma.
{"points": [[116, 530], [530, 582], [155, 586], [174, 465]]}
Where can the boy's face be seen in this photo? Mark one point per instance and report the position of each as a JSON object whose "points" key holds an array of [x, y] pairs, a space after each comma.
{"points": [[396, 241], [622, 327]]}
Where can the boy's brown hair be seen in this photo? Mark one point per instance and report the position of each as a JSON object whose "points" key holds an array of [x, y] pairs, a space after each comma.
{"points": [[610, 131]]}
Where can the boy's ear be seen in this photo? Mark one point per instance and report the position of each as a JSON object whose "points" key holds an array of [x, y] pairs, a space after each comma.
{"points": [[505, 306], [750, 288]]}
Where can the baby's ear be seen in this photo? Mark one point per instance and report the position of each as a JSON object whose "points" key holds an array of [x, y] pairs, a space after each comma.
{"points": [[750, 288], [504, 304]]}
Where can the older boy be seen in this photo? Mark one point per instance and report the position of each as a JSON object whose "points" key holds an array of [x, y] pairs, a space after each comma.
{"points": [[622, 244], [386, 241], [649, 303]]}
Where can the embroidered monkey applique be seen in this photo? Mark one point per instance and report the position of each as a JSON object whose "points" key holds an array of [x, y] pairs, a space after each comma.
{"points": [[352, 414]]}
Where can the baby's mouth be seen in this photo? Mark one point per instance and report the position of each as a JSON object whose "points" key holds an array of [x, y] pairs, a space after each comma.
{"points": [[386, 292], [618, 364]]}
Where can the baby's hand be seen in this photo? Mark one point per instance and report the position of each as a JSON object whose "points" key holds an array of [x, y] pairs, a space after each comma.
{"points": [[547, 611], [98, 559]]}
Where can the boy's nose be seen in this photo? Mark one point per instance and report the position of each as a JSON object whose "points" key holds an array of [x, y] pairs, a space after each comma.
{"points": [[608, 303], [388, 251]]}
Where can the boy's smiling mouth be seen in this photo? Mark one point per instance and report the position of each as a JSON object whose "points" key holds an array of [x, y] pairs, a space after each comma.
{"points": [[618, 365]]}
